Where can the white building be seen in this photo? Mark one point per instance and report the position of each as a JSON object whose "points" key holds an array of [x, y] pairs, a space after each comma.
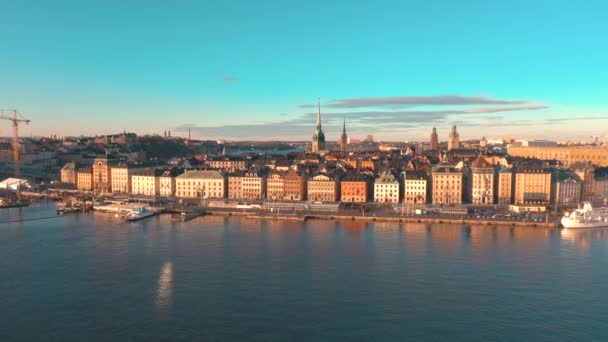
{"points": [[145, 183], [386, 188], [200, 184], [166, 184], [481, 185]]}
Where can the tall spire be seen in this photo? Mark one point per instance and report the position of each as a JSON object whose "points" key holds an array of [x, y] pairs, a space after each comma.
{"points": [[319, 112], [344, 127]]}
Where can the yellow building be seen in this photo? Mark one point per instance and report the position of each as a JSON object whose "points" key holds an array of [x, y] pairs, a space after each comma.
{"points": [[275, 187], [505, 186], [84, 179], [446, 183], [101, 174], [200, 184], [533, 186], [322, 188], [120, 179], [567, 155], [145, 183], [68, 173], [415, 188]]}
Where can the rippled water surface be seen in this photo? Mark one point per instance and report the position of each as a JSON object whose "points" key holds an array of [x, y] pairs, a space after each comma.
{"points": [[94, 277]]}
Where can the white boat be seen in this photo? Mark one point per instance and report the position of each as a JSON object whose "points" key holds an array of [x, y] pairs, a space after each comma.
{"points": [[139, 213], [587, 217]]}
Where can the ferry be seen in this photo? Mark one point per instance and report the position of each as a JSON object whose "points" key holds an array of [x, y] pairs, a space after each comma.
{"points": [[587, 217], [139, 213]]}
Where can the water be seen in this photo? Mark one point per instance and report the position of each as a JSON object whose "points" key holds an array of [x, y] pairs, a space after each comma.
{"points": [[92, 277]]}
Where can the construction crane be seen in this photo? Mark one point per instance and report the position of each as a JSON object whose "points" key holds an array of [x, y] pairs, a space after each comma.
{"points": [[15, 118]]}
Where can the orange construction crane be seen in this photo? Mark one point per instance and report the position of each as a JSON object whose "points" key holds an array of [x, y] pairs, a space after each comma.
{"points": [[15, 118]]}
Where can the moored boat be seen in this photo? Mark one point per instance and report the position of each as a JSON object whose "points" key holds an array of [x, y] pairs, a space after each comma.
{"points": [[586, 217], [139, 213]]}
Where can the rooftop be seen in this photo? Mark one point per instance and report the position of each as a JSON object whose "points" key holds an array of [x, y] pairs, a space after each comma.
{"points": [[201, 174]]}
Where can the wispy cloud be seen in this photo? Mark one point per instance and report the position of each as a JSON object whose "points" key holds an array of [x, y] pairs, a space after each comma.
{"points": [[381, 115], [432, 100], [231, 79]]}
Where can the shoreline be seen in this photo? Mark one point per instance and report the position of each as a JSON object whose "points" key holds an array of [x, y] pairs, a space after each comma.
{"points": [[408, 219]]}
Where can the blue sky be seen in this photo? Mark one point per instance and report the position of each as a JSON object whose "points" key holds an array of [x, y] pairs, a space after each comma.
{"points": [[252, 69]]}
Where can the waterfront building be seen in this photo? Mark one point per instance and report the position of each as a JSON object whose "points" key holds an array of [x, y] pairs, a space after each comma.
{"points": [[249, 185], [415, 187], [318, 137], [322, 188], [68, 173], [566, 155], [228, 164], [343, 138], [120, 179], [434, 142], [354, 188], [567, 191], [600, 191], [200, 184], [453, 138], [275, 187], [386, 188], [481, 182], [533, 186], [446, 184], [506, 186], [294, 186], [84, 179], [166, 182], [586, 173], [145, 183], [101, 174]]}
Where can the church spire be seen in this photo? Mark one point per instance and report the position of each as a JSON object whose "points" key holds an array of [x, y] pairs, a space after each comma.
{"points": [[318, 112], [344, 127]]}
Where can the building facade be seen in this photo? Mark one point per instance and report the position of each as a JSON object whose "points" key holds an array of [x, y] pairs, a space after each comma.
{"points": [[415, 188], [566, 155], [68, 173], [102, 181], [145, 183], [481, 182], [568, 192], [200, 184], [322, 188], [120, 179], [275, 187], [354, 189], [386, 188], [506, 185], [166, 184], [446, 184], [294, 186], [247, 186], [84, 179], [533, 186], [229, 164]]}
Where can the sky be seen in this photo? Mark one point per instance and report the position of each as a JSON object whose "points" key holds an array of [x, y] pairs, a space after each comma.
{"points": [[253, 70]]}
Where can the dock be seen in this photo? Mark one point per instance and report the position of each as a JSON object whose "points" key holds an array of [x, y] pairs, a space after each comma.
{"points": [[187, 216]]}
